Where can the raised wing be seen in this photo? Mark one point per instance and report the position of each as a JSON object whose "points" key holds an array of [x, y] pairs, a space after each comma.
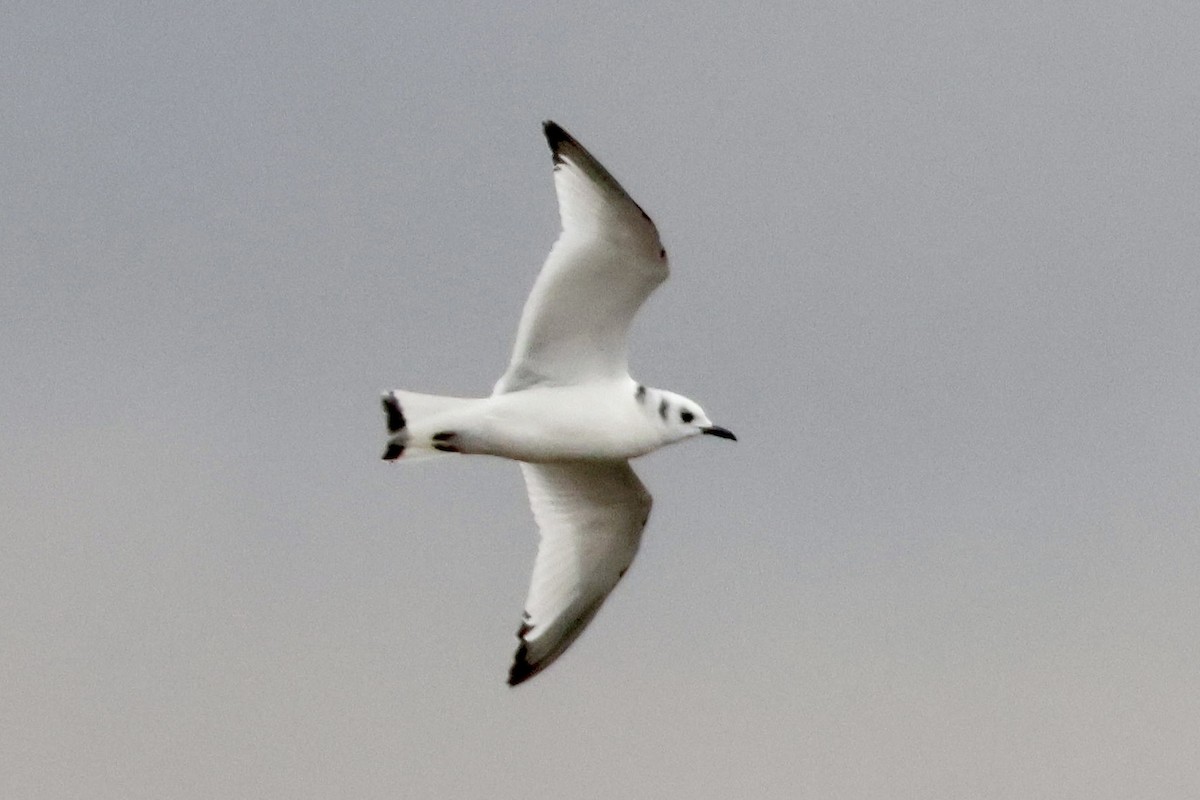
{"points": [[591, 515], [605, 263]]}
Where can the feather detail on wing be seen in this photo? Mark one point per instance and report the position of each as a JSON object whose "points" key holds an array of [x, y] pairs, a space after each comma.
{"points": [[591, 515], [605, 263]]}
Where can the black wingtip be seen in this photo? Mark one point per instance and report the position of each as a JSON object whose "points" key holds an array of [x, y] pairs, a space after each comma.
{"points": [[395, 417], [521, 669], [393, 451], [557, 137], [555, 134]]}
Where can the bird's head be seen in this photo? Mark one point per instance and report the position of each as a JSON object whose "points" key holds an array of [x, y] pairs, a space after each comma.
{"points": [[678, 417]]}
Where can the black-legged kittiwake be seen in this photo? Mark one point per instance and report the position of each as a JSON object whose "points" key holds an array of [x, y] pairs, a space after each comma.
{"points": [[566, 408]]}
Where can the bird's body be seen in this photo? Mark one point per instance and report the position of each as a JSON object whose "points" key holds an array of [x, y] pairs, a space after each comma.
{"points": [[566, 407], [595, 421]]}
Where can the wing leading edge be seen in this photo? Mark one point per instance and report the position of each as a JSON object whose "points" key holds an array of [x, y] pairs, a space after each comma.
{"points": [[591, 516], [604, 264]]}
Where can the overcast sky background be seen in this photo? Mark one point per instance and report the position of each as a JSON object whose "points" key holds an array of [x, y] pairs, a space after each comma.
{"points": [[935, 263]]}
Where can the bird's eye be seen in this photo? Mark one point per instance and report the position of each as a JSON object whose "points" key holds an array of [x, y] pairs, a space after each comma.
{"points": [[686, 416]]}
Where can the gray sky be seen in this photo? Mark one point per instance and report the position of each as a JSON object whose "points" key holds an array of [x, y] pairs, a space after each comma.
{"points": [[936, 264]]}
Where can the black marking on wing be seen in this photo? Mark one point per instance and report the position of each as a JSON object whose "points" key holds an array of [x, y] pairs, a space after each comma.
{"points": [[393, 451], [395, 417], [521, 670], [557, 138], [662, 409], [641, 394]]}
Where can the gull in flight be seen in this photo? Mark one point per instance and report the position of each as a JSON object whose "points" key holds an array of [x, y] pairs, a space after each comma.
{"points": [[566, 408]]}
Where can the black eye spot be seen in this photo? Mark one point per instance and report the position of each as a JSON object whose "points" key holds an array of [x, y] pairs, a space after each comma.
{"points": [[686, 415]]}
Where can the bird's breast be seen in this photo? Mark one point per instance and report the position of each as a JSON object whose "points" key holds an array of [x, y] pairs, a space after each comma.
{"points": [[567, 423]]}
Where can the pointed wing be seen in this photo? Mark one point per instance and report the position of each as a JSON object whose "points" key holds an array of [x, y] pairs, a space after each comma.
{"points": [[591, 515], [605, 263]]}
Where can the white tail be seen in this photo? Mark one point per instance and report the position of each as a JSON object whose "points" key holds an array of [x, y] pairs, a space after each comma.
{"points": [[413, 423]]}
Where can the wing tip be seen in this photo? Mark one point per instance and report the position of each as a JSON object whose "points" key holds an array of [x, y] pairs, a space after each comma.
{"points": [[522, 669], [564, 147], [555, 135], [558, 139]]}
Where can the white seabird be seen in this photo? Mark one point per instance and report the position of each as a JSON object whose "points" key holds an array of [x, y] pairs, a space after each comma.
{"points": [[566, 408]]}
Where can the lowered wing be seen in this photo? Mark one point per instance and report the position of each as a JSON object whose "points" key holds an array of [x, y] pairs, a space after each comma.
{"points": [[591, 515]]}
